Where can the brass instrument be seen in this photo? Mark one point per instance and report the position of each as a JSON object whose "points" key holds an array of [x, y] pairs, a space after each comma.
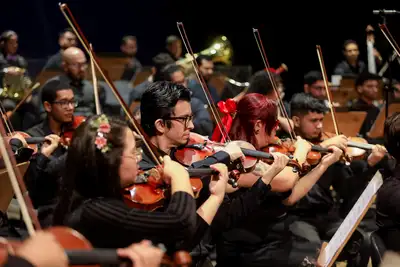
{"points": [[220, 51], [14, 83]]}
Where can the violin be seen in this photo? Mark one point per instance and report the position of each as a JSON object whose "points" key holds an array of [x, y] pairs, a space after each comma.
{"points": [[200, 147], [150, 191], [69, 129], [80, 252]]}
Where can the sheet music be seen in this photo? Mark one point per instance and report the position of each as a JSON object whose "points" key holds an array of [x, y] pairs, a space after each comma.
{"points": [[351, 219]]}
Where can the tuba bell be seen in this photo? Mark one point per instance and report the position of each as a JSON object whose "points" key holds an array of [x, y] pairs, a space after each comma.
{"points": [[220, 51], [14, 83]]}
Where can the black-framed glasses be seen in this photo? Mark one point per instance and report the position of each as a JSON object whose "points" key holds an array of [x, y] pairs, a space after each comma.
{"points": [[65, 104], [184, 119]]}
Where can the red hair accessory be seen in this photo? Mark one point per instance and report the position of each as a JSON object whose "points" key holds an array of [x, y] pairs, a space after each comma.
{"points": [[228, 108]]}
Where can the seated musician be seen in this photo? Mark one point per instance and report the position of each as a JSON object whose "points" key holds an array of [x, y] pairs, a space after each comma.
{"points": [[129, 49], [102, 160], [43, 250], [352, 65], [173, 49], [317, 211], [166, 117], [206, 67], [43, 174], [66, 39], [263, 238], [75, 69], [387, 201], [202, 121], [367, 87]]}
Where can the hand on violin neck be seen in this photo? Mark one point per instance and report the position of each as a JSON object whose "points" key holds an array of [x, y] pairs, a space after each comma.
{"points": [[51, 145], [280, 162], [43, 250], [377, 154], [302, 148], [339, 141], [234, 151], [330, 158], [142, 254], [175, 174], [219, 183]]}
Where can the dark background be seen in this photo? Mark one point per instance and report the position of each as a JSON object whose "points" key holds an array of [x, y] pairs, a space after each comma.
{"points": [[289, 34]]}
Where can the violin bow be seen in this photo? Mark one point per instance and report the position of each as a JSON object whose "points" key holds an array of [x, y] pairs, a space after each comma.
{"points": [[273, 82], [203, 84], [327, 89], [81, 37], [28, 214], [94, 79]]}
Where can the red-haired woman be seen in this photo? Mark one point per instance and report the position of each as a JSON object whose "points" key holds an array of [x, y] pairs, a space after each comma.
{"points": [[264, 238]]}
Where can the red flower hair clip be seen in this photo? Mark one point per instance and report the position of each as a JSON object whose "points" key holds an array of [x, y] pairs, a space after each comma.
{"points": [[102, 126]]}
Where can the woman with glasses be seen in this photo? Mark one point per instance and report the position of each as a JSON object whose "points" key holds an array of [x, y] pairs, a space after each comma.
{"points": [[263, 239]]}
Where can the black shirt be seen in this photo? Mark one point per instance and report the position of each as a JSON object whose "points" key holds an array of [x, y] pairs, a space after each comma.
{"points": [[388, 211], [110, 223], [345, 69], [15, 261], [372, 114]]}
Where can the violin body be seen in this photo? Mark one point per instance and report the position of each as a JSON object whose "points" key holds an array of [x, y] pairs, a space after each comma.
{"points": [[68, 131]]}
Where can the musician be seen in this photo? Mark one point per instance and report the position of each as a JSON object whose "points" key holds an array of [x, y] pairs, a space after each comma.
{"points": [[202, 121], [66, 39], [387, 202], [263, 239], [129, 49], [75, 69], [103, 160], [173, 49], [352, 65], [206, 67], [10, 61], [43, 250], [167, 118], [314, 85], [367, 87], [44, 172]]}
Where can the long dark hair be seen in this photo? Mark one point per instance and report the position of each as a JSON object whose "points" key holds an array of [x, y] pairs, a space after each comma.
{"points": [[250, 108], [89, 172]]}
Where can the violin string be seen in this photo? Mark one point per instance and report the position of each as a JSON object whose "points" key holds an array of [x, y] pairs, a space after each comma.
{"points": [[328, 91], [203, 84], [6, 119], [94, 78], [72, 22], [273, 82], [17, 183]]}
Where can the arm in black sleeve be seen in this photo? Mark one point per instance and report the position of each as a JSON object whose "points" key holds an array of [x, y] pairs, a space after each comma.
{"points": [[176, 224], [202, 121], [219, 157], [15, 261]]}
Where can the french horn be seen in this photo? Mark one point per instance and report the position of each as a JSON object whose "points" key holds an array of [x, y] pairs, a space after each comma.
{"points": [[14, 83]]}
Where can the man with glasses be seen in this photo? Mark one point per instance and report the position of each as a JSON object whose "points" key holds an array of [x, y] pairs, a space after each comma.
{"points": [[74, 66], [44, 172]]}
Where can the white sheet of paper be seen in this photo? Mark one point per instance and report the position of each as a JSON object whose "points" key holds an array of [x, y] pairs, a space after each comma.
{"points": [[351, 219]]}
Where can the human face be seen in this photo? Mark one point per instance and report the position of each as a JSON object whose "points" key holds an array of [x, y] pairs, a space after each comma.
{"points": [[77, 66], [178, 77], [206, 69], [351, 52], [12, 45], [181, 123], [67, 40], [63, 107], [369, 90], [176, 48], [130, 159], [317, 89], [263, 138], [310, 125], [129, 48]]}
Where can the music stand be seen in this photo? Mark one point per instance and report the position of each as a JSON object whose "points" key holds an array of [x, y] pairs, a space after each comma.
{"points": [[330, 251], [6, 190], [377, 128]]}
